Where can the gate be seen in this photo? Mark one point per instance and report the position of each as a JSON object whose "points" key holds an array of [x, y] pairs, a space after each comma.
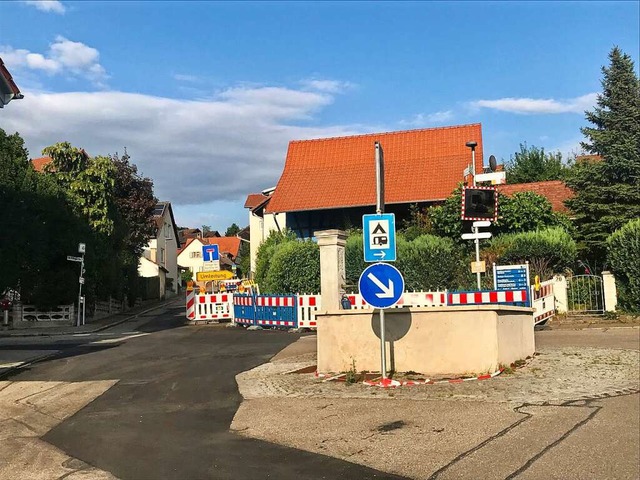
{"points": [[585, 295]]}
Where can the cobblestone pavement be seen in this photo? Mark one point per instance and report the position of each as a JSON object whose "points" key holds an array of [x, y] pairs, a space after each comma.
{"points": [[553, 376], [571, 413]]}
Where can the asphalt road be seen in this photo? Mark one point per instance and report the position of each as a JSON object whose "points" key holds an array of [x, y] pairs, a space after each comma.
{"points": [[169, 413]]}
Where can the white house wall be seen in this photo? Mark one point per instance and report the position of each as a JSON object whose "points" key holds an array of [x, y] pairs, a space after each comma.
{"points": [[191, 257]]}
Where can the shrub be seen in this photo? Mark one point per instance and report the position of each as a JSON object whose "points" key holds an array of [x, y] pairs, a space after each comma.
{"points": [[623, 251], [429, 263], [354, 261], [267, 250], [548, 251], [294, 268]]}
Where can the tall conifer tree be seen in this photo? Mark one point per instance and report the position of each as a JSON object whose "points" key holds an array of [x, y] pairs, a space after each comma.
{"points": [[607, 186]]}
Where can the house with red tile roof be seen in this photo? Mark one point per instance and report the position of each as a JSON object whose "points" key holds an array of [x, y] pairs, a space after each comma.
{"points": [[190, 255], [331, 182]]}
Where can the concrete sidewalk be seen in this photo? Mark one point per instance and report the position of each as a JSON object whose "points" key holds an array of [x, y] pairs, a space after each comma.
{"points": [[92, 326]]}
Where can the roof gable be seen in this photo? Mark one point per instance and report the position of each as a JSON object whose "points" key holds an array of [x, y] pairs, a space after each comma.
{"points": [[420, 165], [230, 245]]}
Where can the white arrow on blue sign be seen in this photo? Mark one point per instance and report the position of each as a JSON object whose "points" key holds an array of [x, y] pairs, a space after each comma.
{"points": [[381, 285], [210, 253], [379, 237]]}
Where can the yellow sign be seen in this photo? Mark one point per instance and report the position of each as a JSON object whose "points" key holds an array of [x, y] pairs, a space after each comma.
{"points": [[209, 276], [478, 267], [537, 283]]}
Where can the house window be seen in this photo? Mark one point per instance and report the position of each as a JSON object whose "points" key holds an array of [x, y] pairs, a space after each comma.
{"points": [[162, 259], [167, 231], [195, 255]]}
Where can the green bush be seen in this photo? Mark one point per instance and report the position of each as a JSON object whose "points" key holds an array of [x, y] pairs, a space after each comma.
{"points": [[429, 263], [623, 252], [354, 261], [266, 252], [548, 251], [294, 268]]}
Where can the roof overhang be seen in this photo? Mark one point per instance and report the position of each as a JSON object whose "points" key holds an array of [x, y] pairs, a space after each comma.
{"points": [[8, 88]]}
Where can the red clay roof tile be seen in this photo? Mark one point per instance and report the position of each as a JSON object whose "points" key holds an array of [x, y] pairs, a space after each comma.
{"points": [[554, 190], [420, 165]]}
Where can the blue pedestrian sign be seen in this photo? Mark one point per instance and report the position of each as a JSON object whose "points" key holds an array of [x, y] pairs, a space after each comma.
{"points": [[210, 253], [379, 237], [381, 285]]}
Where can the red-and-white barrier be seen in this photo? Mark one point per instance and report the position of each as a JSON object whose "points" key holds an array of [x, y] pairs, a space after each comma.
{"points": [[214, 306], [264, 301], [544, 302], [488, 297], [307, 307]]}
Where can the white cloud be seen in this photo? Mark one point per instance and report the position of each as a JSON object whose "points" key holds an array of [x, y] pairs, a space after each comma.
{"points": [[186, 78], [533, 106], [328, 86], [64, 57], [47, 5], [197, 152], [422, 119]]}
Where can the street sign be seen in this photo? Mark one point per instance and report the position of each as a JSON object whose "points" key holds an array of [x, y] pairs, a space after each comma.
{"points": [[211, 266], [71, 258], [510, 277], [482, 223], [379, 237], [209, 276], [473, 236], [381, 285], [210, 253]]}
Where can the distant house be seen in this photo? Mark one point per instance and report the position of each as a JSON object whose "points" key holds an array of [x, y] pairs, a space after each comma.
{"points": [[159, 257], [190, 255]]}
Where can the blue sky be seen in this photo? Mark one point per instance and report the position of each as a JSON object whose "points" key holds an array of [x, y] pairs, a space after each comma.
{"points": [[207, 95]]}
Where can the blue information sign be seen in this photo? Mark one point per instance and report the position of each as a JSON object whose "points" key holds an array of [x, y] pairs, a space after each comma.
{"points": [[210, 253], [379, 237], [381, 285], [511, 277]]}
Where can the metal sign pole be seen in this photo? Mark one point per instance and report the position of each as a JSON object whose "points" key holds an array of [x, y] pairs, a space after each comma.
{"points": [[477, 240], [380, 210], [80, 279]]}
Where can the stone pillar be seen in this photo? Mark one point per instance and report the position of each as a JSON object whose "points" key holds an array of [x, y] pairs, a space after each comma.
{"points": [[610, 293], [332, 267], [560, 293]]}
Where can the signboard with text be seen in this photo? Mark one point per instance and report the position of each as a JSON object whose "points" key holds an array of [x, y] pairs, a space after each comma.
{"points": [[510, 277]]}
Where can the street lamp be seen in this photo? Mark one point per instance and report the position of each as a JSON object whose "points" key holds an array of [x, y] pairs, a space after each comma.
{"points": [[472, 146]]}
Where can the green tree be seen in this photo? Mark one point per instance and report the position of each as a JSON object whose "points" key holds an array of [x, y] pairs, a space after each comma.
{"points": [[533, 164], [623, 251], [43, 229], [606, 192], [134, 201], [527, 211], [232, 230], [88, 183]]}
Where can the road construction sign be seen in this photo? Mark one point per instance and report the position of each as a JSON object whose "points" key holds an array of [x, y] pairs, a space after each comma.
{"points": [[209, 276]]}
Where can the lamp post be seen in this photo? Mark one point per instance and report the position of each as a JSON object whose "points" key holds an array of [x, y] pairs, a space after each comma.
{"points": [[472, 146]]}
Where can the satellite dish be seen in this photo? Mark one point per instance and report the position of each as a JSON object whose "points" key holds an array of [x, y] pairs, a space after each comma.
{"points": [[492, 163]]}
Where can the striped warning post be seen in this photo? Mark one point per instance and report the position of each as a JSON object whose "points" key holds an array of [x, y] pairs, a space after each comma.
{"points": [[191, 305]]}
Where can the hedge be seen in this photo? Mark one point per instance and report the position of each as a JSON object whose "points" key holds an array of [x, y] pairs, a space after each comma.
{"points": [[623, 252], [294, 268]]}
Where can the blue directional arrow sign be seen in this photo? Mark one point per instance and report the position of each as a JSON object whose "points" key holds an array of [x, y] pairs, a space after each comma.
{"points": [[381, 285], [210, 253], [379, 237]]}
